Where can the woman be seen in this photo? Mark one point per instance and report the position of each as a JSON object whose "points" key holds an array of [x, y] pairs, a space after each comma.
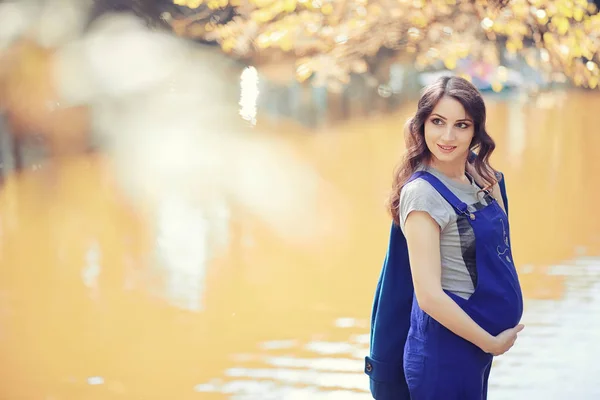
{"points": [[467, 300]]}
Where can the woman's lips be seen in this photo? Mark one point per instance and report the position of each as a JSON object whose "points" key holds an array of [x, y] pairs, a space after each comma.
{"points": [[446, 149]]}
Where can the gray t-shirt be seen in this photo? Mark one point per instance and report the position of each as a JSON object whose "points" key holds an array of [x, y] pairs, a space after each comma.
{"points": [[457, 240]]}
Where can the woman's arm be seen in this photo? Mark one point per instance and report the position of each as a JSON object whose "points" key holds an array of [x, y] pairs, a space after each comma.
{"points": [[423, 238]]}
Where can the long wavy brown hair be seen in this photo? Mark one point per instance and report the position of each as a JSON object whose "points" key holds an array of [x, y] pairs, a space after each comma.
{"points": [[417, 153]]}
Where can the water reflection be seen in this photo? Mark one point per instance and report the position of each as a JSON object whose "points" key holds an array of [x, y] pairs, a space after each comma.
{"points": [[324, 370], [182, 250], [201, 299], [557, 356], [558, 346]]}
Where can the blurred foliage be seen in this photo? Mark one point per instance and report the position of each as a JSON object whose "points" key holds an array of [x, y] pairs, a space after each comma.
{"points": [[330, 39]]}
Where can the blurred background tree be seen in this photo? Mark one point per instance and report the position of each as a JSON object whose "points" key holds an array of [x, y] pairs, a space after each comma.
{"points": [[328, 40]]}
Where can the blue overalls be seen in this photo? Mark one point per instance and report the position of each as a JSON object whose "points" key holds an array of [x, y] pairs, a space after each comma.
{"points": [[412, 356]]}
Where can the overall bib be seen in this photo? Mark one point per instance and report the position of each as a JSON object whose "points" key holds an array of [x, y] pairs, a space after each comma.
{"points": [[412, 355], [439, 364]]}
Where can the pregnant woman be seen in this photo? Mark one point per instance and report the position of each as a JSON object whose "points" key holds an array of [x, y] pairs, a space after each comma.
{"points": [[449, 297]]}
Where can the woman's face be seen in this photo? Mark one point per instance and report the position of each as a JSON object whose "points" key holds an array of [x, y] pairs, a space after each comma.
{"points": [[449, 131]]}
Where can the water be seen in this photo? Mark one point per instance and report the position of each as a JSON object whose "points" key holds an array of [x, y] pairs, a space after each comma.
{"points": [[195, 299]]}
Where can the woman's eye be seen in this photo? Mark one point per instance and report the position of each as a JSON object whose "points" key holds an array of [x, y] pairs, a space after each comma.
{"points": [[437, 121], [462, 125]]}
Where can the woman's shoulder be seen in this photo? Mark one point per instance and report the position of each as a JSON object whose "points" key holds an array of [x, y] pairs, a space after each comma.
{"points": [[418, 187], [419, 195]]}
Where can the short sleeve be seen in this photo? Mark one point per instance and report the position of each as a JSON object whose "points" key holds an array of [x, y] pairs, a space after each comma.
{"points": [[419, 195]]}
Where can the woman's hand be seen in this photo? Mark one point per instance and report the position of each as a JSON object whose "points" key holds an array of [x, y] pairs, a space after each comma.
{"points": [[504, 341]]}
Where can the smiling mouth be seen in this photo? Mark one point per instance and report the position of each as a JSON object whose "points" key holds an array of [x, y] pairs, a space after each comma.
{"points": [[446, 149]]}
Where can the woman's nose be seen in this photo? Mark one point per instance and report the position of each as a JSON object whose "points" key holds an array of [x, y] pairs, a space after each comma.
{"points": [[449, 134]]}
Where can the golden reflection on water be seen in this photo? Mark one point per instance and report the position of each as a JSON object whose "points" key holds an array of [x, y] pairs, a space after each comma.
{"points": [[98, 300]]}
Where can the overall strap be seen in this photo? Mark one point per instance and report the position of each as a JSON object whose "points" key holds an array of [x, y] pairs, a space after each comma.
{"points": [[450, 197]]}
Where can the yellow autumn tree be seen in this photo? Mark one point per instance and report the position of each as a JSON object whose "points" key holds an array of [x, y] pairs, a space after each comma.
{"points": [[330, 39]]}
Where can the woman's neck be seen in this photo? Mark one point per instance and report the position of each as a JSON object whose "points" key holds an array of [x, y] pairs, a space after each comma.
{"points": [[455, 171]]}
